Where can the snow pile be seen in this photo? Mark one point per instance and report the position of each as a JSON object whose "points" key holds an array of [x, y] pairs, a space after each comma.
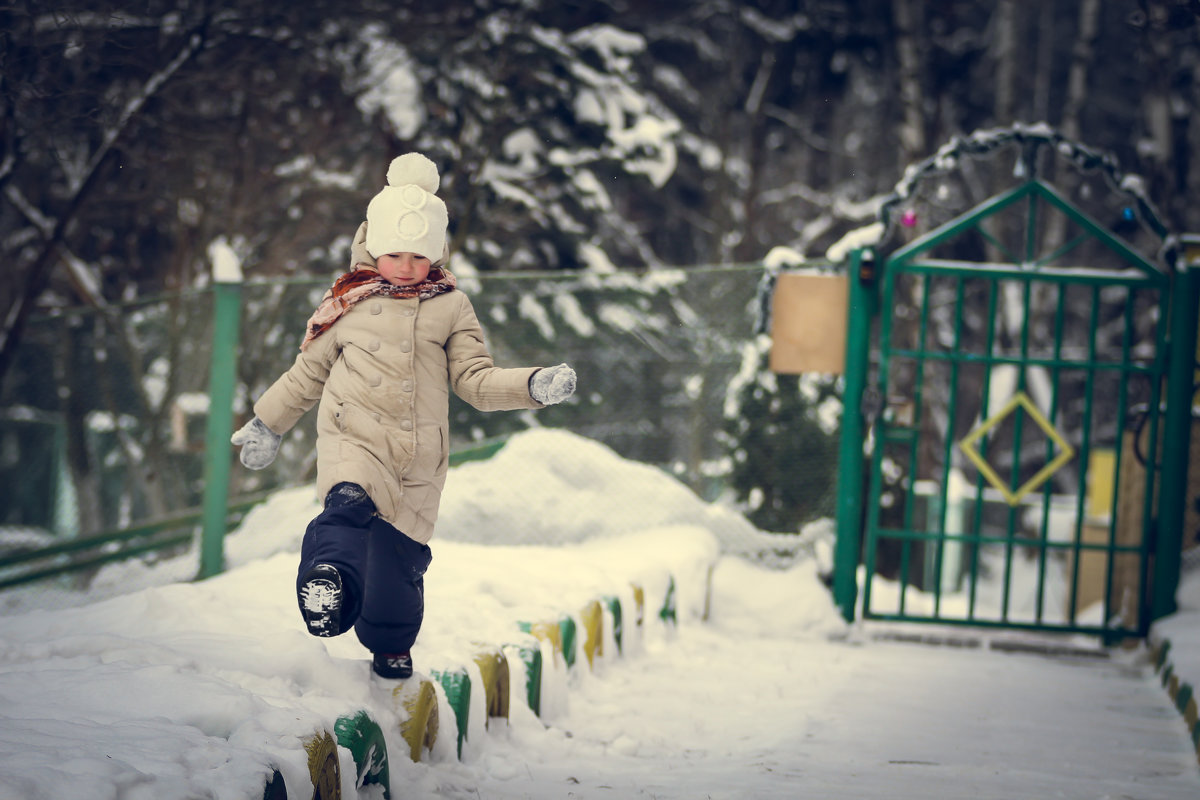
{"points": [[555, 487], [203, 689], [227, 266]]}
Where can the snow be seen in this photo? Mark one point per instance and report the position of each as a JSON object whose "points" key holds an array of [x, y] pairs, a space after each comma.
{"points": [[568, 308], [612, 44], [389, 84], [183, 690], [780, 257], [227, 267], [307, 164], [641, 136], [531, 309], [592, 192], [859, 237], [596, 259]]}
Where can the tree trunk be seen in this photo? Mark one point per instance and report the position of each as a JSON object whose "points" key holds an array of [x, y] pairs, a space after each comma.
{"points": [[908, 19], [1082, 55], [1043, 66], [1005, 55]]}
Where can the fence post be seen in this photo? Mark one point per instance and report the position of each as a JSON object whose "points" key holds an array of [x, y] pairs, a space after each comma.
{"points": [[850, 453], [227, 307], [1177, 428]]}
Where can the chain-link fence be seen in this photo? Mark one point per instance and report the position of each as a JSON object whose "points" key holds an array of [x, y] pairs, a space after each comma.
{"points": [[102, 419], [655, 355]]}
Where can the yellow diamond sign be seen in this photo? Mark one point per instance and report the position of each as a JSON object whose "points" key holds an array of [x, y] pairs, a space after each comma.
{"points": [[969, 447]]}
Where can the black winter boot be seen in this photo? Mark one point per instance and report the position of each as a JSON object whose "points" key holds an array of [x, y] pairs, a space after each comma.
{"points": [[392, 665], [320, 599]]}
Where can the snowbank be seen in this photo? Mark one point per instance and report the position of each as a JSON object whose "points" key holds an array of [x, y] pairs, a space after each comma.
{"points": [[552, 487]]}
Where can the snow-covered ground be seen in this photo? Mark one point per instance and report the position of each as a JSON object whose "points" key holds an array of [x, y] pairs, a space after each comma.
{"points": [[184, 690]]}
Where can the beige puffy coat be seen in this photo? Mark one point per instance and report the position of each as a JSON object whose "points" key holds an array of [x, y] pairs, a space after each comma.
{"points": [[381, 374]]}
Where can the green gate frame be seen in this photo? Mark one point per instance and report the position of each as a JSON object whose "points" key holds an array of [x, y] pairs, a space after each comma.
{"points": [[870, 301]]}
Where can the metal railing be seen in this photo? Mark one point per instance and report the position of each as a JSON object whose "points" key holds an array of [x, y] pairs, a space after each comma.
{"points": [[152, 537]]}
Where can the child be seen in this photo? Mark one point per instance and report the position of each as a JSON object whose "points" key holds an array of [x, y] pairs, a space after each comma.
{"points": [[378, 354]]}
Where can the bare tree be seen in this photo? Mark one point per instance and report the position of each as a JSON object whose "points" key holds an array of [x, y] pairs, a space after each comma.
{"points": [[32, 275]]}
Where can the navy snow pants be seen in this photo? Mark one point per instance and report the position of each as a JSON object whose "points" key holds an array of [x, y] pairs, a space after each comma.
{"points": [[383, 584]]}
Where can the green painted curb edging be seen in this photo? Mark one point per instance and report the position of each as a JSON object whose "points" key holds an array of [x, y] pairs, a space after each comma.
{"points": [[1181, 693], [457, 685], [363, 737]]}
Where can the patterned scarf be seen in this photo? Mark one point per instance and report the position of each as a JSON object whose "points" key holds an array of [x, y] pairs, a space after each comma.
{"points": [[359, 284]]}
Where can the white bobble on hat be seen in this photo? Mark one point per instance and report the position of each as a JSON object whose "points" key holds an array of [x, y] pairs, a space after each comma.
{"points": [[407, 216], [415, 169]]}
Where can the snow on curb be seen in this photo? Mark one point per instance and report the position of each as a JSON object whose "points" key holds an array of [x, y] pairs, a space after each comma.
{"points": [[546, 611], [1182, 693], [1174, 643], [536, 650]]}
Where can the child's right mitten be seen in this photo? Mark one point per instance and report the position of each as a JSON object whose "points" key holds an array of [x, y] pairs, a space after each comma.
{"points": [[259, 443]]}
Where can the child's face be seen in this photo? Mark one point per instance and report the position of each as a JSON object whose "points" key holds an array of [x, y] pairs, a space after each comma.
{"points": [[403, 269]]}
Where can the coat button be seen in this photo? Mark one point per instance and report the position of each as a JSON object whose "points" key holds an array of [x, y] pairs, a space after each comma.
{"points": [[406, 385], [408, 311], [373, 345], [376, 308], [406, 424], [405, 346], [375, 380]]}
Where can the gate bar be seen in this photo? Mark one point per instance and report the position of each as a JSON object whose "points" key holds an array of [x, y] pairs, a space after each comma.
{"points": [[985, 404], [864, 306], [1055, 374], [948, 452], [1085, 450], [917, 423], [1118, 462], [1177, 428]]}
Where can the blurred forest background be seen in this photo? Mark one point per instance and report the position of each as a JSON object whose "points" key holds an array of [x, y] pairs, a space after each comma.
{"points": [[575, 137], [569, 133]]}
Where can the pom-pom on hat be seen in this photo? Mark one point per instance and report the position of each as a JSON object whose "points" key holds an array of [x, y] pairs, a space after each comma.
{"points": [[407, 216]]}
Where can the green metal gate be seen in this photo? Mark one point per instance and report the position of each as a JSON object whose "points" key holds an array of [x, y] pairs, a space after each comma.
{"points": [[1013, 407]]}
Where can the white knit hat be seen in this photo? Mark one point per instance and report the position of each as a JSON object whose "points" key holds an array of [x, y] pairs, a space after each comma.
{"points": [[407, 217]]}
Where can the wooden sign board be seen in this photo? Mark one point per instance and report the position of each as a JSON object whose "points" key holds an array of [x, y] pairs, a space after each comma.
{"points": [[808, 324]]}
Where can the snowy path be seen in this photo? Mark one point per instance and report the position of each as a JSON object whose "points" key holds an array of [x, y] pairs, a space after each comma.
{"points": [[174, 691], [716, 713]]}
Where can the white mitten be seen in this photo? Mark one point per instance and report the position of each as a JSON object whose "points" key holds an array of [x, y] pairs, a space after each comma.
{"points": [[258, 442], [552, 384]]}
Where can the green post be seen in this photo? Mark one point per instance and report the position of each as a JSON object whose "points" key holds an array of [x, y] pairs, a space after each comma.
{"points": [[227, 308], [1177, 429], [863, 307]]}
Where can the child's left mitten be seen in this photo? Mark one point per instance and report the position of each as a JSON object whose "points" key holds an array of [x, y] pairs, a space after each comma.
{"points": [[259, 443], [552, 384]]}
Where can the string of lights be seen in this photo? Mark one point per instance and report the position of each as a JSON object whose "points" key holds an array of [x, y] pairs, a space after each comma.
{"points": [[1029, 139]]}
